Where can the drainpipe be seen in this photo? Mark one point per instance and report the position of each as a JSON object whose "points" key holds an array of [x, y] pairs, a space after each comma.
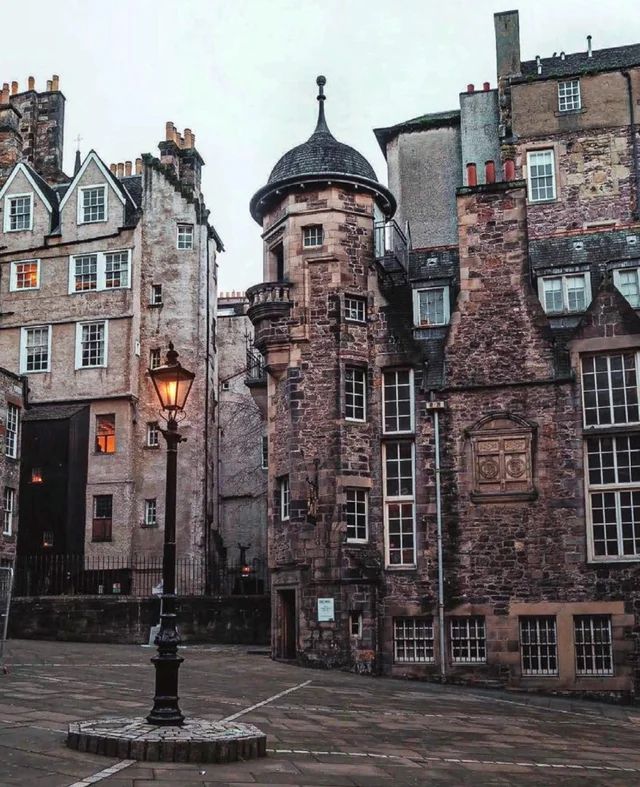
{"points": [[634, 144], [437, 407]]}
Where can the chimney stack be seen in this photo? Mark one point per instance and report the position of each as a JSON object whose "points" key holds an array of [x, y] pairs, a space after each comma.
{"points": [[507, 28], [188, 140], [49, 85], [14, 88], [509, 169], [127, 169], [55, 82], [31, 83], [489, 172], [120, 169], [138, 166], [472, 175], [5, 93], [589, 50], [538, 64]]}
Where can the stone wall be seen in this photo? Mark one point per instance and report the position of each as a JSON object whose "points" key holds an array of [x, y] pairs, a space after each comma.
{"points": [[11, 392], [236, 620]]}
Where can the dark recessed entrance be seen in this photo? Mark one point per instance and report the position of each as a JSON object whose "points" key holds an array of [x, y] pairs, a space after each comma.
{"points": [[286, 631]]}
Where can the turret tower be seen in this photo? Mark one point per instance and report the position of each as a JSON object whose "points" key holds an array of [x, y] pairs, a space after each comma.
{"points": [[314, 319]]}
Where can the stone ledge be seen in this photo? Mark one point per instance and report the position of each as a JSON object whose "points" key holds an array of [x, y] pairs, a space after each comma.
{"points": [[198, 740]]}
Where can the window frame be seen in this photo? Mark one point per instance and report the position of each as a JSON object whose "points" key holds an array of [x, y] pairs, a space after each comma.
{"points": [[411, 428], [7, 212], [105, 339], [356, 490], [360, 370], [8, 510], [101, 271], [446, 307], [153, 428], [400, 500], [430, 641], [156, 289], [616, 281], [593, 644], [613, 423], [97, 437], [564, 277], [150, 516], [155, 357], [540, 673], [107, 535], [24, 332], [12, 435], [181, 225], [13, 275], [562, 96], [284, 498], [355, 616], [81, 206], [554, 182], [468, 640], [359, 301], [264, 453], [309, 229]]}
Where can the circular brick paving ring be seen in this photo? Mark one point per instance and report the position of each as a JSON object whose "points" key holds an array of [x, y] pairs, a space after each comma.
{"points": [[196, 741]]}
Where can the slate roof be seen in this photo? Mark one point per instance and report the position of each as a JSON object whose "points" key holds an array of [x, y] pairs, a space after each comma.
{"points": [[52, 412], [580, 63], [420, 123], [594, 249]]}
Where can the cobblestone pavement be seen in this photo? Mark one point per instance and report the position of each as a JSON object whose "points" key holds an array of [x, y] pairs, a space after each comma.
{"points": [[323, 728]]}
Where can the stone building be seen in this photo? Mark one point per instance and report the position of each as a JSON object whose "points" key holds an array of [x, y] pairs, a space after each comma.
{"points": [[454, 471], [12, 401], [241, 437], [101, 270]]}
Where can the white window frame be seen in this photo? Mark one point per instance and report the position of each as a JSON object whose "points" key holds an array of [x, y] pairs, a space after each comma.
{"points": [[8, 510], [446, 308], [564, 277], [408, 626], [539, 646], [7, 212], [306, 233], [359, 380], [567, 94], [101, 271], [355, 616], [356, 491], [153, 434], [284, 498], [12, 435], [591, 647], [531, 155], [13, 276], [355, 304], [390, 500], [180, 225], [81, 193], [156, 290], [609, 355], [24, 331], [155, 354], [79, 325], [616, 280], [474, 639], [411, 402], [151, 512]]}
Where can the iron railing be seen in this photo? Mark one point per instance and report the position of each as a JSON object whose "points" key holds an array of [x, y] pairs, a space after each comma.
{"points": [[390, 243], [79, 575]]}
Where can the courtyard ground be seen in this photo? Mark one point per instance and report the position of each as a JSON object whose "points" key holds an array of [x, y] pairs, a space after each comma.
{"points": [[323, 728]]}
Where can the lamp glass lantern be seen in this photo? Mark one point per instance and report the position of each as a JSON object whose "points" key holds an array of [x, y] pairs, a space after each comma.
{"points": [[172, 383]]}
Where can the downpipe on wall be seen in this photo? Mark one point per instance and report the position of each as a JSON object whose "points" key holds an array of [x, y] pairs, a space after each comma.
{"points": [[437, 407]]}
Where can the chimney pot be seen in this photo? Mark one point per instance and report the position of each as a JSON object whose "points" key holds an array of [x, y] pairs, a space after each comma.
{"points": [[193, 140], [120, 169], [562, 55], [55, 82], [113, 168], [589, 51], [48, 85], [127, 168], [486, 86], [490, 172], [188, 143], [169, 129], [138, 166], [470, 87], [509, 169], [538, 64], [14, 88], [472, 174], [31, 83]]}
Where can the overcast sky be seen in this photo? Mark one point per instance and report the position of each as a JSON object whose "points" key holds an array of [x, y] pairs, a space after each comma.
{"points": [[241, 74]]}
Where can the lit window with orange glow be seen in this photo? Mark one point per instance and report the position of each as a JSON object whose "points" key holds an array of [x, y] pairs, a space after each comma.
{"points": [[106, 434], [25, 275]]}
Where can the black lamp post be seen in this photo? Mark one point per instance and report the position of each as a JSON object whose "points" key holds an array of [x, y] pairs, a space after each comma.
{"points": [[172, 384]]}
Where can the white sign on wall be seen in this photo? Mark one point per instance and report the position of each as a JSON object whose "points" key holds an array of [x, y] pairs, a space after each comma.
{"points": [[325, 610]]}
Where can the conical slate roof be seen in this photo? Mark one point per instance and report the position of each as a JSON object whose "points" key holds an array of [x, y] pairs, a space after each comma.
{"points": [[320, 156]]}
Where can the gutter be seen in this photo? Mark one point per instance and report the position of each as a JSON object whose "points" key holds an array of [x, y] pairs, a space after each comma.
{"points": [[634, 144]]}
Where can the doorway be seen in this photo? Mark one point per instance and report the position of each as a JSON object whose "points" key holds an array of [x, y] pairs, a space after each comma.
{"points": [[287, 619]]}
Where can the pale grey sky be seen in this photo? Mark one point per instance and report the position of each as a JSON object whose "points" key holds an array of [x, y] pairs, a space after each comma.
{"points": [[241, 74]]}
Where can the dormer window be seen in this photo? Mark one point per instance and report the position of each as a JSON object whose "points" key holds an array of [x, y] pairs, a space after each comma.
{"points": [[92, 204], [18, 213], [564, 294], [569, 96], [312, 236], [627, 281]]}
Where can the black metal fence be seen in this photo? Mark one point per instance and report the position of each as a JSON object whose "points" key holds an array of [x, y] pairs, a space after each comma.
{"points": [[80, 575]]}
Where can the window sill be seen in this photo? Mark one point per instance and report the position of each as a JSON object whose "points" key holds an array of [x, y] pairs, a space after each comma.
{"points": [[24, 289], [22, 229], [542, 201], [103, 453], [355, 322], [611, 561], [101, 540], [401, 568], [560, 113], [357, 542], [355, 420], [93, 221], [144, 526], [151, 447], [155, 305]]}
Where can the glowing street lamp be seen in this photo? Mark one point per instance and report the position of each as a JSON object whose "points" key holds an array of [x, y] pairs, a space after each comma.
{"points": [[172, 384]]}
